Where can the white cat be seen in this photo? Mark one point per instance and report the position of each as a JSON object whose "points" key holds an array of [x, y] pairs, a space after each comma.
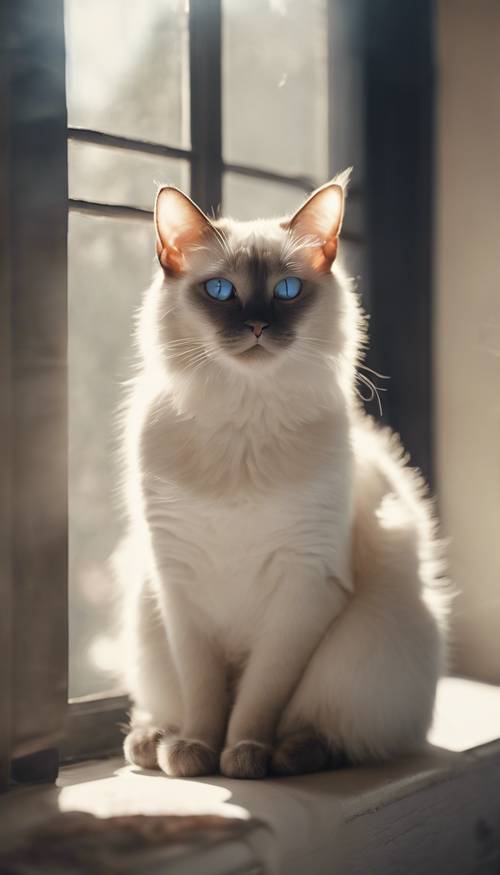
{"points": [[281, 576]]}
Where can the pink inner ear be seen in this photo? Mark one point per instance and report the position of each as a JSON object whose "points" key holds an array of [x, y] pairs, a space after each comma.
{"points": [[322, 214], [180, 225], [321, 218]]}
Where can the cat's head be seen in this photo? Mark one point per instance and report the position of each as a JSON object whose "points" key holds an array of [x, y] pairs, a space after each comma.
{"points": [[249, 295]]}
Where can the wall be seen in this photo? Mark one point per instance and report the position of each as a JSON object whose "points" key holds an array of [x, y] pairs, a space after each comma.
{"points": [[467, 320]]}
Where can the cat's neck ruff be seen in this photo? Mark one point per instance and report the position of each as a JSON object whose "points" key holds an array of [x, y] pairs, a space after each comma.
{"points": [[218, 397]]}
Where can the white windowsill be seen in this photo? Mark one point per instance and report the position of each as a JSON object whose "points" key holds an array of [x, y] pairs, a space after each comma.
{"points": [[435, 813]]}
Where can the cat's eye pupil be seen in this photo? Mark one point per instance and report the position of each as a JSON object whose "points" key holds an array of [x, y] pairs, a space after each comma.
{"points": [[288, 288], [219, 288]]}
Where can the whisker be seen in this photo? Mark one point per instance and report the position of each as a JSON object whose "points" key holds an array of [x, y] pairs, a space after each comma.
{"points": [[185, 343], [375, 373], [374, 391], [164, 313]]}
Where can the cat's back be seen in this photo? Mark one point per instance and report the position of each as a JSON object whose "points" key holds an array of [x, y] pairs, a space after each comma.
{"points": [[382, 468]]}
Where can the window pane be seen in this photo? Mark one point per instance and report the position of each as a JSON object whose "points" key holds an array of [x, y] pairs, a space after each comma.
{"points": [[110, 263], [127, 68], [275, 85], [245, 197], [117, 176]]}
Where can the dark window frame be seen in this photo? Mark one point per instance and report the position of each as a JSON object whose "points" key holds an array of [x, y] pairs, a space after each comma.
{"points": [[33, 433]]}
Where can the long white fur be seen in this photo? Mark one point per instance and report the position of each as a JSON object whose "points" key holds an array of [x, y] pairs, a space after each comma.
{"points": [[276, 537]]}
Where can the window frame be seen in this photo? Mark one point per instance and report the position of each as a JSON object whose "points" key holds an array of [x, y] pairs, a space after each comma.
{"points": [[5, 429], [33, 310]]}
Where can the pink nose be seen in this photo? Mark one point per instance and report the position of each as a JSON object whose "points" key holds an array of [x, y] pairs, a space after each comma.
{"points": [[256, 327]]}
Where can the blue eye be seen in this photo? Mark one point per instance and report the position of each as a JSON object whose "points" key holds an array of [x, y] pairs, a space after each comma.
{"points": [[219, 289], [288, 288]]}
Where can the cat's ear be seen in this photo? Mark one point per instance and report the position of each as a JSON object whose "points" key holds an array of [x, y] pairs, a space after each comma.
{"points": [[320, 220], [180, 226]]}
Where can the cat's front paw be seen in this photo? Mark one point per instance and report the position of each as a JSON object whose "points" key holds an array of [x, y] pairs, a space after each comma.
{"points": [[186, 758], [247, 759], [140, 746]]}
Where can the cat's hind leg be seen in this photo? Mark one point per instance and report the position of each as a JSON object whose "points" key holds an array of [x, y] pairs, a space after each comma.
{"points": [[369, 689], [301, 752]]}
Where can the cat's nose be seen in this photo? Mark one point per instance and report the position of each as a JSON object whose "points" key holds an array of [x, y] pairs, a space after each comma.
{"points": [[256, 326]]}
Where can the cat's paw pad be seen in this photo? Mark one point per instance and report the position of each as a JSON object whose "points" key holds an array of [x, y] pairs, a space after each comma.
{"points": [[140, 747], [300, 753], [247, 759], [186, 758]]}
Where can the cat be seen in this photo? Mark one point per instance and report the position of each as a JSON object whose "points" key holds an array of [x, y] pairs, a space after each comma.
{"points": [[281, 574]]}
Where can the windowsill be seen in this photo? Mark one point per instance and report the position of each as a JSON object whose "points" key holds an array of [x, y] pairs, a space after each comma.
{"points": [[438, 812]]}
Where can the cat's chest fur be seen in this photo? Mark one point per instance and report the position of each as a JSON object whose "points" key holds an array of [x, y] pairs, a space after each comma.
{"points": [[230, 556], [232, 510]]}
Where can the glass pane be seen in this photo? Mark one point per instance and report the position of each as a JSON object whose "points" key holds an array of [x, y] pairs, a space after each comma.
{"points": [[275, 66], [127, 68], [245, 197], [110, 263], [117, 176]]}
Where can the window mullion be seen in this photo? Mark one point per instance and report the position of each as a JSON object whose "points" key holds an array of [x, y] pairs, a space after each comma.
{"points": [[301, 182], [205, 42], [101, 138], [116, 211]]}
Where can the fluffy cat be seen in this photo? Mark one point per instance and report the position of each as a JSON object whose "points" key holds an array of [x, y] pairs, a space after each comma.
{"points": [[281, 574]]}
